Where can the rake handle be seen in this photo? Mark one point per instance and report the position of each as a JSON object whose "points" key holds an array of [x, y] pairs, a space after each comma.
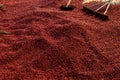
{"points": [[101, 7], [95, 5], [107, 8], [68, 3]]}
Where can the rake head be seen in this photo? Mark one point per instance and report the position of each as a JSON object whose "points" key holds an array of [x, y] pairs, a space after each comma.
{"points": [[96, 13], [67, 8]]}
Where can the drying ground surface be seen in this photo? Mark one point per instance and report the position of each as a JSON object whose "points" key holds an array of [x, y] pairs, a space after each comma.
{"points": [[46, 43]]}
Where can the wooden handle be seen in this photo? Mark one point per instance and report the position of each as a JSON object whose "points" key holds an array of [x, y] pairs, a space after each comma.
{"points": [[68, 3], [107, 8]]}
